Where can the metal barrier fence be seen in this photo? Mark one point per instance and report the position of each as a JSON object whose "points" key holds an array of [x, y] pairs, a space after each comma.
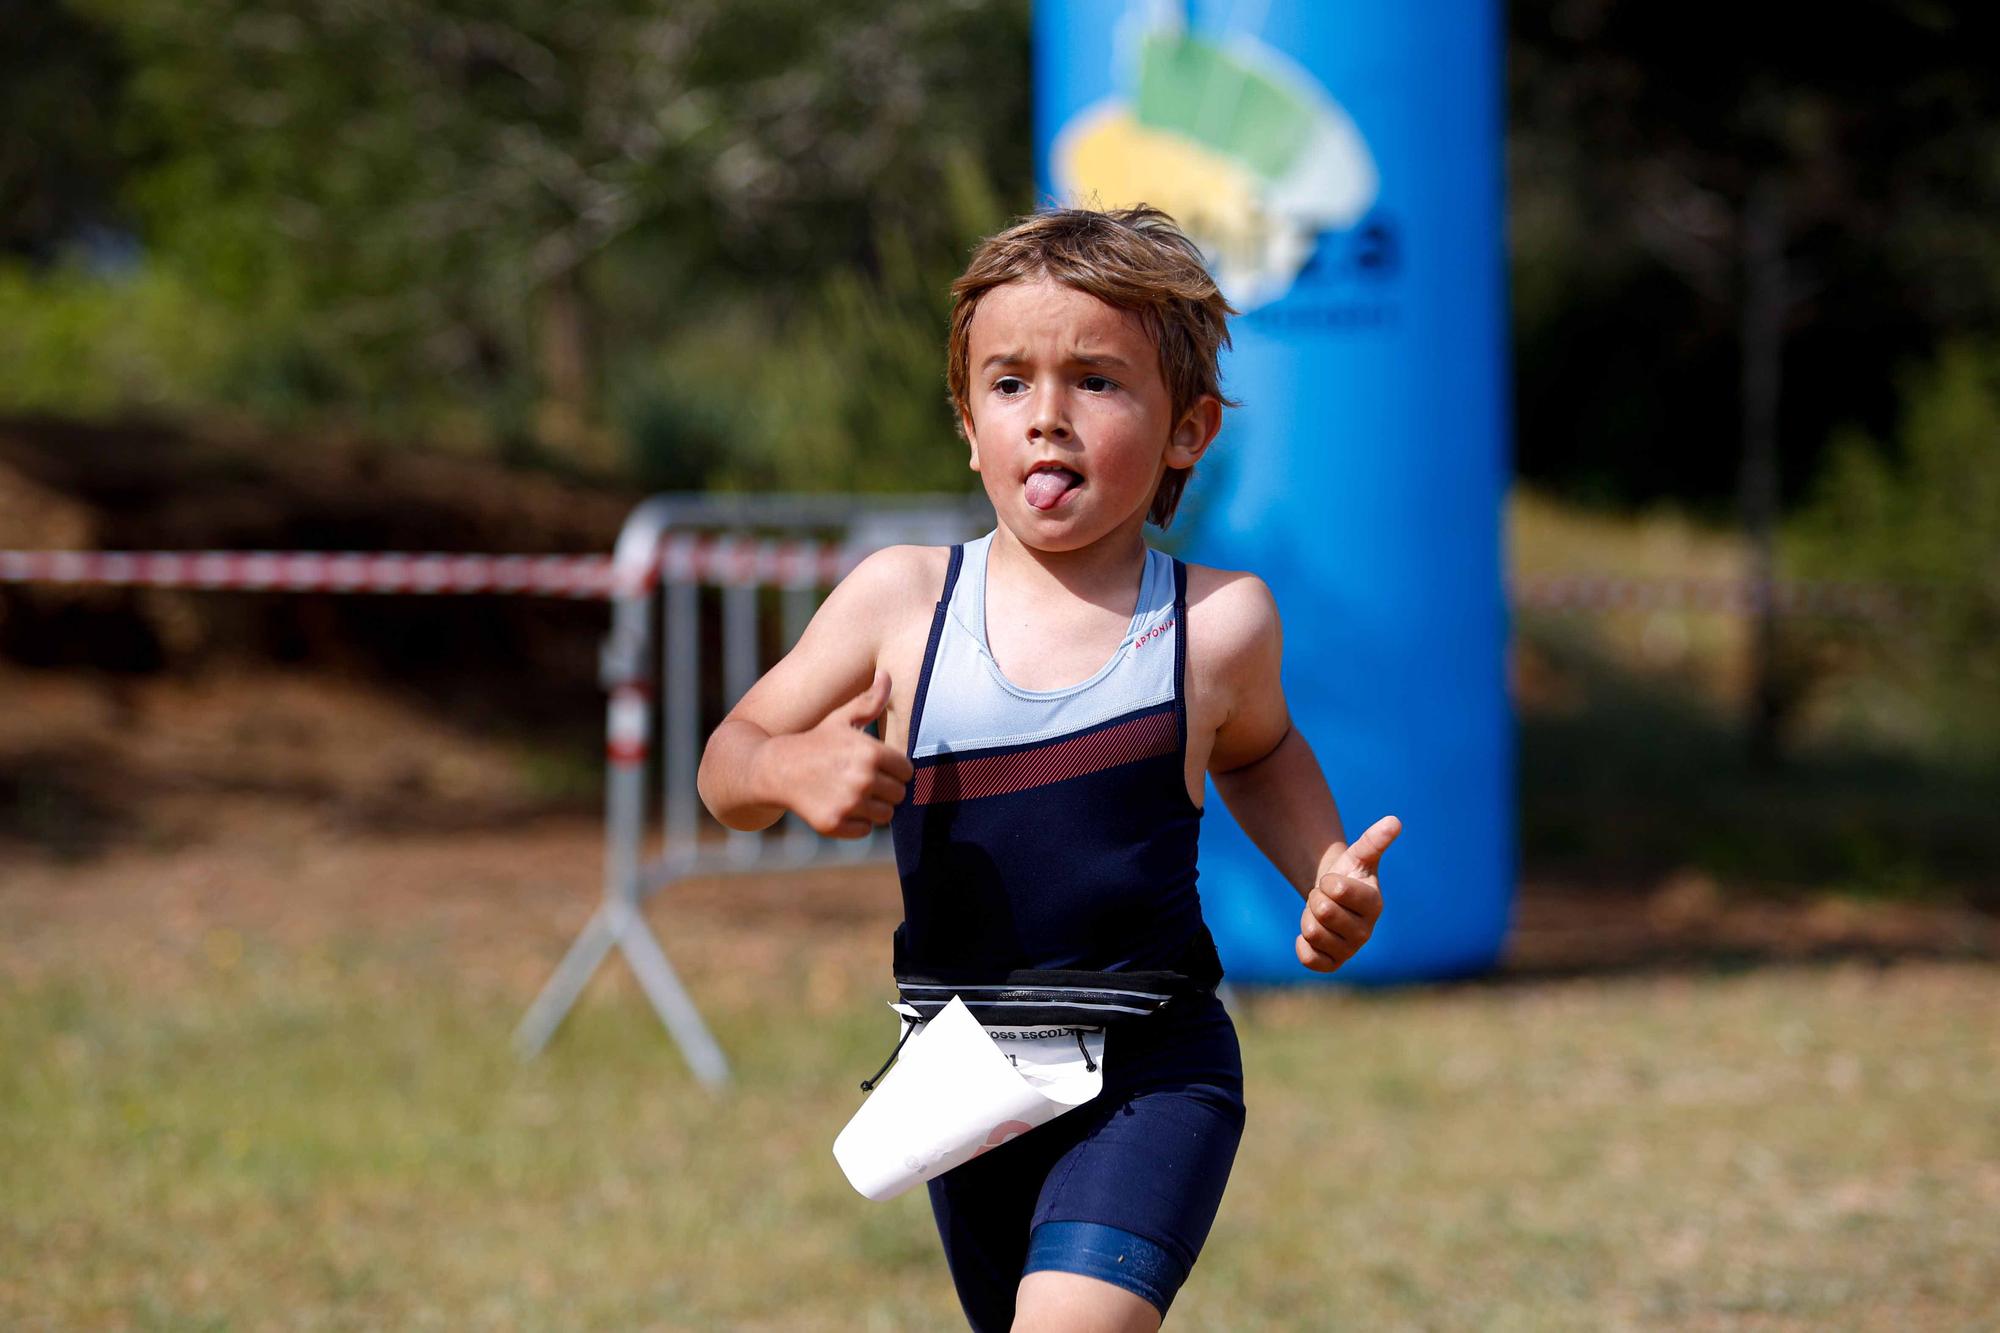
{"points": [[673, 552]]}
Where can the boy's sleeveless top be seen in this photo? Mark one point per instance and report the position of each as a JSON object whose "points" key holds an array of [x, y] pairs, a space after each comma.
{"points": [[1050, 828]]}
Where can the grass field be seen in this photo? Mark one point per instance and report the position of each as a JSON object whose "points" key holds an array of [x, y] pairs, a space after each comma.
{"points": [[265, 1084]]}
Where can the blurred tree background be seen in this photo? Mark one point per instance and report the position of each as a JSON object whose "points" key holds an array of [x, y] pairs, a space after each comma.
{"points": [[1755, 267], [603, 233], [689, 243]]}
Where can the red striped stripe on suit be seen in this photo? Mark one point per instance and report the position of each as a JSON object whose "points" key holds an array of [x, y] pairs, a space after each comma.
{"points": [[953, 779]]}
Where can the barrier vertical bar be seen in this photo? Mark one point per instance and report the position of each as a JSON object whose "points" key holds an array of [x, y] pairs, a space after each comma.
{"points": [[875, 844], [797, 604], [682, 665], [798, 608], [739, 653]]}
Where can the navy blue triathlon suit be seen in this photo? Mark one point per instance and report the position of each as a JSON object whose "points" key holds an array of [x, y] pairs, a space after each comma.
{"points": [[1053, 829]]}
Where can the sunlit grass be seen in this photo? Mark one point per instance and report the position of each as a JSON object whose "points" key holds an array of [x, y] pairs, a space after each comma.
{"points": [[349, 1145]]}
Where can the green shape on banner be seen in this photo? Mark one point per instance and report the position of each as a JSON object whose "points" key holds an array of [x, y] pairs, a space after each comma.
{"points": [[1193, 88]]}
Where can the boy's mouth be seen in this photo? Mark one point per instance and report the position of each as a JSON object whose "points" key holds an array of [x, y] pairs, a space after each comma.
{"points": [[1049, 483]]}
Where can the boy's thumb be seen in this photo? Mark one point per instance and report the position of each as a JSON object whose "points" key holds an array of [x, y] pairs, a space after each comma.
{"points": [[871, 703]]}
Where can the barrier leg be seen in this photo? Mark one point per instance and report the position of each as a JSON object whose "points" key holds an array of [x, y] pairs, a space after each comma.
{"points": [[671, 1001], [626, 725], [615, 925], [560, 993]]}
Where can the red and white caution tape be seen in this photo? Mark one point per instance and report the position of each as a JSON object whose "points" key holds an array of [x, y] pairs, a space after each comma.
{"points": [[733, 560], [1798, 597], [695, 558], [313, 571]]}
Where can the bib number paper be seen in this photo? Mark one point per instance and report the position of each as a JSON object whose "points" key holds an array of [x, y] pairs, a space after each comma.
{"points": [[959, 1090]]}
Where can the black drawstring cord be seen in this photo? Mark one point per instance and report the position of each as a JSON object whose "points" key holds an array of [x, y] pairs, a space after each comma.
{"points": [[868, 1084], [1089, 1065]]}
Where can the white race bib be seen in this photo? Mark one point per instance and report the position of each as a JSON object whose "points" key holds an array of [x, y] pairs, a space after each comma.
{"points": [[959, 1090]]}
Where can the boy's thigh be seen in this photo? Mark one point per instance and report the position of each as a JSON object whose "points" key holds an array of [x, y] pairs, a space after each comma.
{"points": [[1052, 1302], [984, 1212], [1154, 1165]]}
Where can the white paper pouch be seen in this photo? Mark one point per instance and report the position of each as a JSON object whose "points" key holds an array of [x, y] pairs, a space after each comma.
{"points": [[958, 1090]]}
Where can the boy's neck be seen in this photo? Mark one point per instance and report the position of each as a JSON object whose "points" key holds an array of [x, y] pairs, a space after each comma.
{"points": [[1104, 571]]}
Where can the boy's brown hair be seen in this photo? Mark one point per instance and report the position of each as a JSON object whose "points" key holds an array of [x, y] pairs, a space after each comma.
{"points": [[1135, 259]]}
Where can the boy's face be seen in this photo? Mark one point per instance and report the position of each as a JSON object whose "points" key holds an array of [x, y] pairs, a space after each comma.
{"points": [[1070, 422]]}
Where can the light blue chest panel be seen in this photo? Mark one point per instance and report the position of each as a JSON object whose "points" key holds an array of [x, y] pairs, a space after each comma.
{"points": [[970, 705]]}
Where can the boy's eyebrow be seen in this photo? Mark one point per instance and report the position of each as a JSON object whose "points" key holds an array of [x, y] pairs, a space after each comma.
{"points": [[1015, 357]]}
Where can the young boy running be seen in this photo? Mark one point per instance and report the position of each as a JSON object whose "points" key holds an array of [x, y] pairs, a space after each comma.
{"points": [[1051, 697]]}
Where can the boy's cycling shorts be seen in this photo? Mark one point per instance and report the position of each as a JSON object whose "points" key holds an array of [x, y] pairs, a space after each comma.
{"points": [[1144, 1163]]}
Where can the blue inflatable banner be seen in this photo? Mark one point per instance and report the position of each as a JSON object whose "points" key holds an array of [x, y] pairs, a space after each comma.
{"points": [[1340, 164]]}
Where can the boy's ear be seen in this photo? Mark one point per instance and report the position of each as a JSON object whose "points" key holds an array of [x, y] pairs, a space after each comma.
{"points": [[1194, 432], [965, 432]]}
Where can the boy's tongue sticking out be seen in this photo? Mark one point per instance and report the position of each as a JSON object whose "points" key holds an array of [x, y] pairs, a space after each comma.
{"points": [[1047, 486]]}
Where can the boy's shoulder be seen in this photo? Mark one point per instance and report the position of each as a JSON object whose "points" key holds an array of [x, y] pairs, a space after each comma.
{"points": [[891, 578], [1232, 610], [888, 568], [1234, 642]]}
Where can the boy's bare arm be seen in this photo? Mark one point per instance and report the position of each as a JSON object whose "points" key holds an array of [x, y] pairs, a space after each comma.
{"points": [[1272, 783], [1262, 766], [793, 741]]}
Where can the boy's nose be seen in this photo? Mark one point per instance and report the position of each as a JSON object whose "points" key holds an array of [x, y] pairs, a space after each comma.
{"points": [[1048, 421]]}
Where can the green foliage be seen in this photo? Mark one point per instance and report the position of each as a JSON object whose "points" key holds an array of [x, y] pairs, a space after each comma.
{"points": [[1636, 143], [845, 392], [676, 438], [445, 206], [853, 396], [387, 200], [1926, 513], [90, 345]]}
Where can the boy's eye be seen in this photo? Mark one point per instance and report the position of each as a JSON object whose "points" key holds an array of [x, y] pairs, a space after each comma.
{"points": [[1009, 385], [1095, 383]]}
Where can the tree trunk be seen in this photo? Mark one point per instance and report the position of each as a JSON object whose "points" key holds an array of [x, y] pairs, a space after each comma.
{"points": [[565, 418], [1765, 305]]}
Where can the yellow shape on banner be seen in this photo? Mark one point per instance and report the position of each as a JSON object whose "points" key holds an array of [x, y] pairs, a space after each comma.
{"points": [[1112, 161]]}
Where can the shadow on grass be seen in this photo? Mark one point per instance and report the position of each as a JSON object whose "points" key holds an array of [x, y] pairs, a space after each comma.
{"points": [[55, 802], [1565, 931], [1633, 778]]}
